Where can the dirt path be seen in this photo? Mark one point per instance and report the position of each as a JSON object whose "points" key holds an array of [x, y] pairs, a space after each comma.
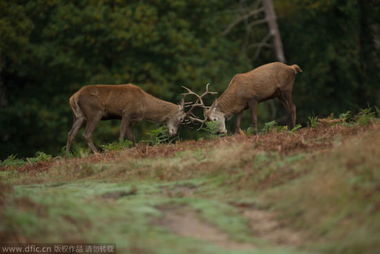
{"points": [[263, 224], [188, 224]]}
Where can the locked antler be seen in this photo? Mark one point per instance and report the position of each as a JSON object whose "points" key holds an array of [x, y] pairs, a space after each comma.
{"points": [[198, 103]]}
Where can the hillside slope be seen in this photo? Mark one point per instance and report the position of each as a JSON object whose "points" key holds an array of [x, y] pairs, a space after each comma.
{"points": [[312, 191]]}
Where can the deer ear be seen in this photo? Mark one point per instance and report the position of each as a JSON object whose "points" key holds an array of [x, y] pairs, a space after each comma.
{"points": [[214, 105], [181, 104]]}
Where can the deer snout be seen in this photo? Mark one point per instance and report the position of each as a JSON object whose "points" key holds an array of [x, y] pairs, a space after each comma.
{"points": [[172, 131], [222, 132]]}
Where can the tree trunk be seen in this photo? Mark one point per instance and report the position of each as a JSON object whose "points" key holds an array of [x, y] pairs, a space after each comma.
{"points": [[273, 29]]}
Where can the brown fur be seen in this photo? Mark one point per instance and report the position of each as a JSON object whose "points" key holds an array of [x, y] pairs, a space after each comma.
{"points": [[127, 102], [246, 90]]}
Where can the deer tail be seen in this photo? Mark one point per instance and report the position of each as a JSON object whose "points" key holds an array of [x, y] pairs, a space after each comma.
{"points": [[296, 68], [75, 107]]}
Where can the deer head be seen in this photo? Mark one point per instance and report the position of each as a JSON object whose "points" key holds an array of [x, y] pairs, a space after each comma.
{"points": [[176, 119], [213, 114]]}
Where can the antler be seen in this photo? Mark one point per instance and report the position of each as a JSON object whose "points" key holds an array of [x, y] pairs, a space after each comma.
{"points": [[198, 103]]}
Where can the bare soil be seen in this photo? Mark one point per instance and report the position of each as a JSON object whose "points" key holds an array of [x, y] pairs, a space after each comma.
{"points": [[263, 224], [188, 224]]}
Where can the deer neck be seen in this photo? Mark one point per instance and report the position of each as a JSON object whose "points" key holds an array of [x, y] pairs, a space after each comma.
{"points": [[228, 104], [159, 111]]}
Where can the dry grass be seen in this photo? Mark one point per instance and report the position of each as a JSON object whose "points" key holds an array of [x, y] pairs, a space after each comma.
{"points": [[339, 198], [304, 140], [323, 181]]}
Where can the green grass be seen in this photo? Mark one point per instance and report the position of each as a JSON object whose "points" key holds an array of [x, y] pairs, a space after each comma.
{"points": [[79, 212], [117, 145], [330, 198]]}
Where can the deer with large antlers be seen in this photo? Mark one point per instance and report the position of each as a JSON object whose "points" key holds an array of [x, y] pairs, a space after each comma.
{"points": [[126, 102], [246, 90]]}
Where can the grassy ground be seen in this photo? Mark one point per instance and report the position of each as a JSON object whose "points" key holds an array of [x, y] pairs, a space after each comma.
{"points": [[315, 190]]}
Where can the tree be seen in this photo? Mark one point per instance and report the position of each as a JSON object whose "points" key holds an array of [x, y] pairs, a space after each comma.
{"points": [[252, 16]]}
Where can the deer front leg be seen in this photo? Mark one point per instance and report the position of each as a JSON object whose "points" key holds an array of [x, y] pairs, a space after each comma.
{"points": [[239, 116], [253, 106], [125, 130]]}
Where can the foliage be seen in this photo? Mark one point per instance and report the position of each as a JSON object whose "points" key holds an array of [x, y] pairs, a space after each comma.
{"points": [[52, 48], [250, 131], [269, 126], [295, 128], [159, 136], [49, 49], [273, 126], [39, 156], [313, 121], [12, 160], [345, 116], [365, 116], [340, 69], [211, 130]]}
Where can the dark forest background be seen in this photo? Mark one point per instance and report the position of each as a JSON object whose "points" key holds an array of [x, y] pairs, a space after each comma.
{"points": [[50, 48]]}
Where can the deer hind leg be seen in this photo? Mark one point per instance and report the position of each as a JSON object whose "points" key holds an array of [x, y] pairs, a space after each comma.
{"points": [[90, 127], [73, 132], [253, 106], [290, 107]]}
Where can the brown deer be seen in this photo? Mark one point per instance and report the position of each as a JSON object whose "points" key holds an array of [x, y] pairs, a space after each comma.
{"points": [[129, 103], [246, 90]]}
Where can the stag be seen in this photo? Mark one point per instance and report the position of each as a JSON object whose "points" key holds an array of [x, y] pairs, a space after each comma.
{"points": [[246, 90], [129, 103]]}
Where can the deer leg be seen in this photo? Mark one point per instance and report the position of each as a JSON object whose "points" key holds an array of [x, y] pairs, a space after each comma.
{"points": [[290, 107], [130, 135], [125, 130], [253, 106], [90, 127], [73, 132], [123, 127], [239, 116]]}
